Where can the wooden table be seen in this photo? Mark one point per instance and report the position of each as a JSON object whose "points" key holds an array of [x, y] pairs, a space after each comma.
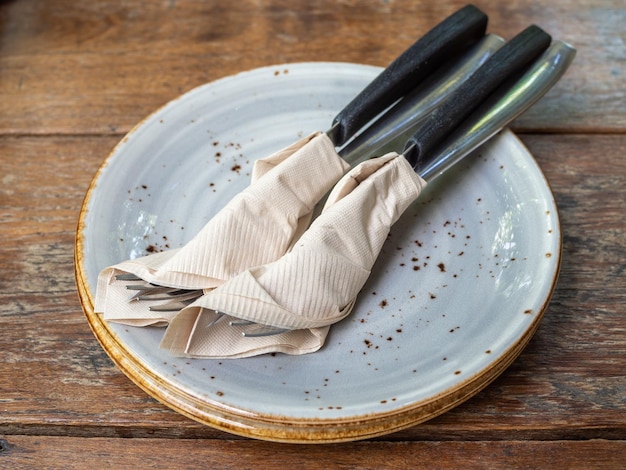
{"points": [[76, 76]]}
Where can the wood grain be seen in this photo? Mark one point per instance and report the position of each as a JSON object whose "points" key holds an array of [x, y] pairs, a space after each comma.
{"points": [[76, 76], [29, 452], [102, 66]]}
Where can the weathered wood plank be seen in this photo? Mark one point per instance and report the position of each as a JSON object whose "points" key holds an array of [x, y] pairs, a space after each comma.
{"points": [[60, 452], [100, 67]]}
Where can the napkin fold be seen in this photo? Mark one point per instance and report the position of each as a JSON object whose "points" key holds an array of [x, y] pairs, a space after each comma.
{"points": [[315, 284], [256, 227]]}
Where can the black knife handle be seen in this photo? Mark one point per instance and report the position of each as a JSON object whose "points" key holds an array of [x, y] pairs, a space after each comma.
{"points": [[507, 62], [451, 37]]}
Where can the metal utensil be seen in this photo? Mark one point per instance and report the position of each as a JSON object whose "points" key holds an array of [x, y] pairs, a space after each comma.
{"points": [[513, 95]]}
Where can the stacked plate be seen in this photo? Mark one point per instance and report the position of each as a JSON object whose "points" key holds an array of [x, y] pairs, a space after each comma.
{"points": [[455, 296]]}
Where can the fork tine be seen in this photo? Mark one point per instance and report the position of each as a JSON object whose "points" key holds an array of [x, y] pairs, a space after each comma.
{"points": [[152, 293], [170, 306], [219, 316], [145, 287], [240, 322], [127, 277], [256, 330], [173, 294]]}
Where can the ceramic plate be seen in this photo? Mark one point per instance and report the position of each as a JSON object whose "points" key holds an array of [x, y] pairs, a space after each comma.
{"points": [[456, 294]]}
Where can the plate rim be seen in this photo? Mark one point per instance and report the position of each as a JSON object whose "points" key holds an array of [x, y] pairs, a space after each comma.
{"points": [[274, 427]]}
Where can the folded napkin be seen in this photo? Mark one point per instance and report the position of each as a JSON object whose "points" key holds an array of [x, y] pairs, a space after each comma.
{"points": [[312, 286], [256, 227]]}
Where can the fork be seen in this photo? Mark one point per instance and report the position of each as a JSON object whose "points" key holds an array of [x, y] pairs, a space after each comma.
{"points": [[176, 299], [509, 87]]}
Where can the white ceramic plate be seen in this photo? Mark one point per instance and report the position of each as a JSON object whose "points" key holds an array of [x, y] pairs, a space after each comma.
{"points": [[455, 296]]}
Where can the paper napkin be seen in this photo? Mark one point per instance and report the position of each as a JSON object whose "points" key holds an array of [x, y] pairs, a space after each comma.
{"points": [[312, 286]]}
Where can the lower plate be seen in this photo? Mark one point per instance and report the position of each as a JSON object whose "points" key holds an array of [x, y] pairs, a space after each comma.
{"points": [[456, 294]]}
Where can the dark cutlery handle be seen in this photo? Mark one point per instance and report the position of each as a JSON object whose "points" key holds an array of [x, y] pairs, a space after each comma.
{"points": [[507, 62], [451, 37]]}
